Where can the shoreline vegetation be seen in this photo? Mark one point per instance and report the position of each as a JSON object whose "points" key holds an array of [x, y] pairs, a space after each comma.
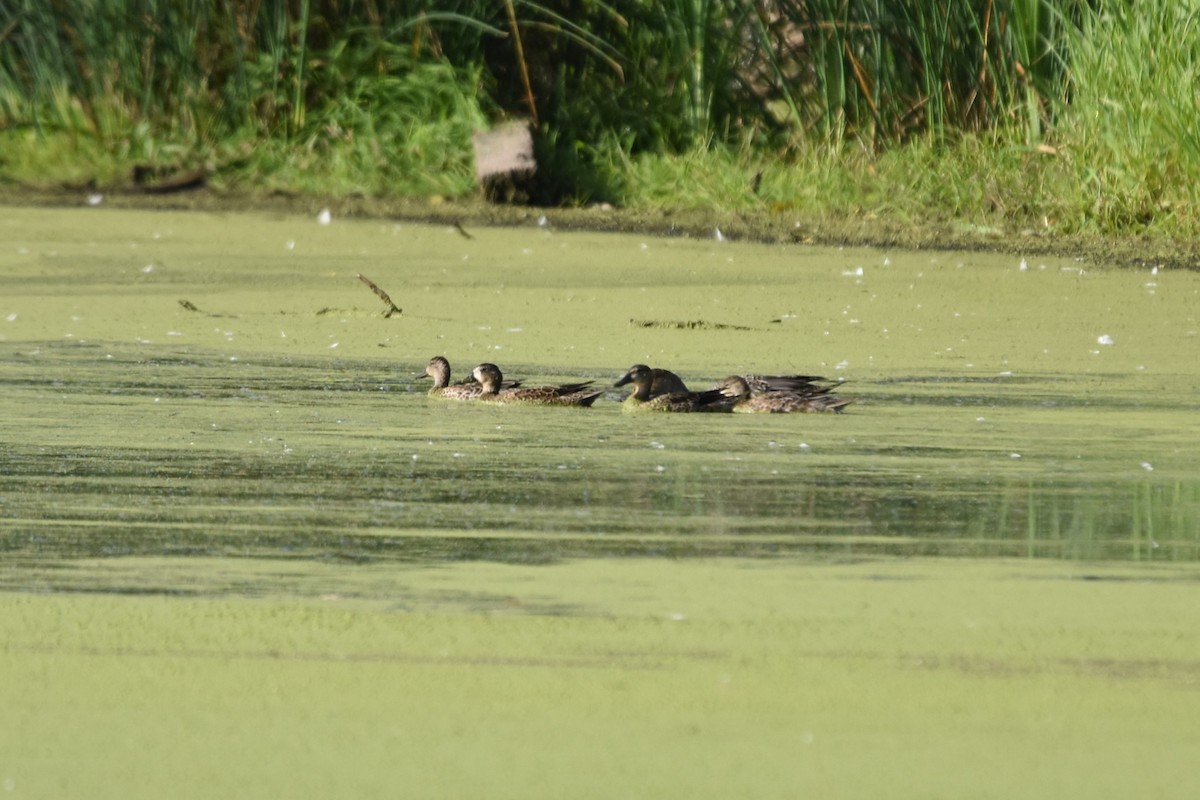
{"points": [[1100, 249], [1066, 127]]}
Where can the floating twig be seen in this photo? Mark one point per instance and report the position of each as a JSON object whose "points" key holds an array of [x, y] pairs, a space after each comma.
{"points": [[687, 325], [392, 307], [458, 227], [188, 305]]}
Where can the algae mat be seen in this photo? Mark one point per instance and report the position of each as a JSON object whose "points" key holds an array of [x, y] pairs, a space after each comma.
{"points": [[593, 679], [244, 554]]}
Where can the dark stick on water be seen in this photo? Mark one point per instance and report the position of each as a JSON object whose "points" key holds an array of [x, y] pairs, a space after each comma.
{"points": [[392, 307]]}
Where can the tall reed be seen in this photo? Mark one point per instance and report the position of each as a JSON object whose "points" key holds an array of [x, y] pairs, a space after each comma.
{"points": [[1130, 118], [383, 90], [886, 70]]}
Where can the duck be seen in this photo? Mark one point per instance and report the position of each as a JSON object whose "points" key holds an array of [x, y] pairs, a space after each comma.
{"points": [[810, 399], [778, 383], [438, 368], [664, 382], [491, 382], [667, 382], [672, 394]]}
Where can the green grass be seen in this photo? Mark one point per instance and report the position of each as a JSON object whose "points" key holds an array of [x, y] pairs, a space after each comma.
{"points": [[983, 181], [1131, 132], [1057, 115]]}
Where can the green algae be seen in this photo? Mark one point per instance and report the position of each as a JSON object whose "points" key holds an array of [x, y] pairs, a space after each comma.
{"points": [[243, 552], [708, 678]]}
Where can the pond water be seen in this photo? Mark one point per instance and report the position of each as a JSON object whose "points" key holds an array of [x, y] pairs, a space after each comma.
{"points": [[116, 450], [222, 489], [1003, 407]]}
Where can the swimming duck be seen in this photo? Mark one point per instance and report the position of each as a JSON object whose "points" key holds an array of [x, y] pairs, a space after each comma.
{"points": [[813, 398], [676, 396], [664, 382], [570, 394], [438, 368], [778, 383], [667, 382]]}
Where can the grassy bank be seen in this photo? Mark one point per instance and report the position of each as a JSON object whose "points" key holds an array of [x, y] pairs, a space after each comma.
{"points": [[1056, 116]]}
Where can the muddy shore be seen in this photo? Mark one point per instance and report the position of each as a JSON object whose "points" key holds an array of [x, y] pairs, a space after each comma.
{"points": [[861, 230]]}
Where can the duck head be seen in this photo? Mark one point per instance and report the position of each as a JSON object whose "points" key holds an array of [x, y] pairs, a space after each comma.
{"points": [[734, 386], [438, 368], [641, 377], [489, 377]]}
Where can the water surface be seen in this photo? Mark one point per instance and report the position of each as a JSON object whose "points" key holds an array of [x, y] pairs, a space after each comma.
{"points": [[191, 385], [231, 521]]}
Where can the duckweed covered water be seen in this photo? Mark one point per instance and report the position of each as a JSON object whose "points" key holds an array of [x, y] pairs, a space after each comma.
{"points": [[218, 472]]}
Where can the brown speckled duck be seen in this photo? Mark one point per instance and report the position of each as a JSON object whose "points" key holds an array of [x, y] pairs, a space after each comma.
{"points": [[667, 382], [664, 381], [781, 383], [810, 399], [571, 394], [438, 368], [673, 394]]}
